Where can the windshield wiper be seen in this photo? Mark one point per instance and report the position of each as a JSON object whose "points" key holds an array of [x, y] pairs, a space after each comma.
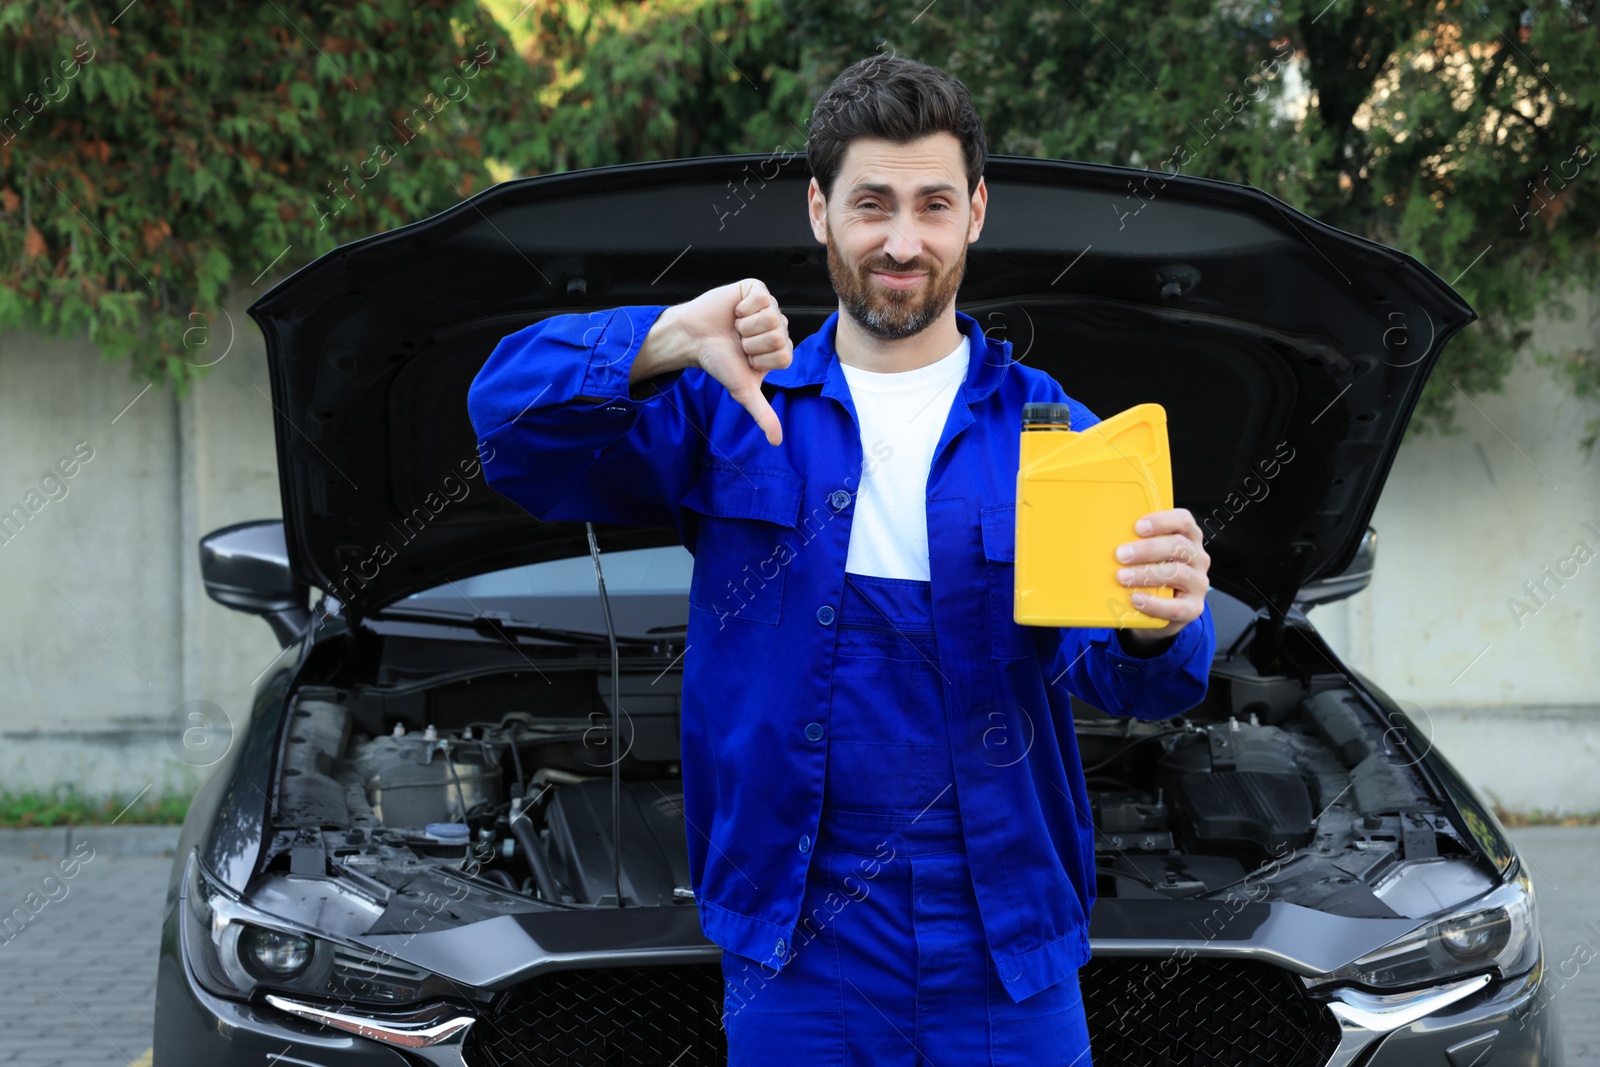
{"points": [[500, 624]]}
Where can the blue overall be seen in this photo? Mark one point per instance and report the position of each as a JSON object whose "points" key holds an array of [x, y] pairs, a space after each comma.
{"points": [[889, 965]]}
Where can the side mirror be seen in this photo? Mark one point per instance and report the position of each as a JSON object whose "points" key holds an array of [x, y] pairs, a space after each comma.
{"points": [[246, 567], [1347, 582]]}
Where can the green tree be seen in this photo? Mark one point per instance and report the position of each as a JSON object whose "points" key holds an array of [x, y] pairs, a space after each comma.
{"points": [[662, 79], [150, 157], [199, 142]]}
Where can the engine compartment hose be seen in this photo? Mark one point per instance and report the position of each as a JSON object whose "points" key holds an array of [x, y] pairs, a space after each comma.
{"points": [[528, 839]]}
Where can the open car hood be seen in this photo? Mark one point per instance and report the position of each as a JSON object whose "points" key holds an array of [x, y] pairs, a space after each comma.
{"points": [[1288, 354]]}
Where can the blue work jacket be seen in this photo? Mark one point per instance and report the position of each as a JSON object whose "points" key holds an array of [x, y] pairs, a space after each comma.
{"points": [[769, 528]]}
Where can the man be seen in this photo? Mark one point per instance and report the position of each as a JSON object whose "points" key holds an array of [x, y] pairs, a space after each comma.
{"points": [[888, 827]]}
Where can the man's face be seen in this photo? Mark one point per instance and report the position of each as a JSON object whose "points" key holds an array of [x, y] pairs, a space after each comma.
{"points": [[897, 229]]}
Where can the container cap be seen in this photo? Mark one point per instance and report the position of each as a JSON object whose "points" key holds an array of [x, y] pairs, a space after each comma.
{"points": [[451, 832], [1047, 412]]}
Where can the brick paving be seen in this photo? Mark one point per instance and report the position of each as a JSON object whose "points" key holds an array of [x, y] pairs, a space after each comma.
{"points": [[77, 984], [1564, 863]]}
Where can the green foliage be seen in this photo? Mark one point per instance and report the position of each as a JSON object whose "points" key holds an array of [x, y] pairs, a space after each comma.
{"points": [[65, 805], [201, 142], [660, 80], [1538, 817], [151, 158]]}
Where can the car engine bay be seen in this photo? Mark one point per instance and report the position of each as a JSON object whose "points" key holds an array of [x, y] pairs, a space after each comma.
{"points": [[516, 802], [1293, 789], [1303, 796]]}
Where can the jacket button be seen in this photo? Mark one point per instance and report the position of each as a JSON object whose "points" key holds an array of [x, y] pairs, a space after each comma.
{"points": [[813, 731], [825, 615], [840, 500], [778, 949], [805, 842]]}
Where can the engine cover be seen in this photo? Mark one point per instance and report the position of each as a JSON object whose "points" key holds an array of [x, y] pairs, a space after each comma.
{"points": [[1242, 812], [655, 849]]}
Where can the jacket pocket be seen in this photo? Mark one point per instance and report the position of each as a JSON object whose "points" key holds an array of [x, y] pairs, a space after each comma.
{"points": [[744, 539], [1007, 639]]}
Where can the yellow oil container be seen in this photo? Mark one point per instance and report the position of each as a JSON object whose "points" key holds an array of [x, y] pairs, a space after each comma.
{"points": [[1078, 496]]}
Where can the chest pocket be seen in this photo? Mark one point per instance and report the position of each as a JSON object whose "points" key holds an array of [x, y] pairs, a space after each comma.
{"points": [[744, 541], [1007, 639]]}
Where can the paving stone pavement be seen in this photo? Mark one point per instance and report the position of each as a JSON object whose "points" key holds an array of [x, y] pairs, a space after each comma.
{"points": [[77, 985], [1564, 863]]}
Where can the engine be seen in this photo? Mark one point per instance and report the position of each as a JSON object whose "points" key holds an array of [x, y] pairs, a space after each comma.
{"points": [[1309, 790], [508, 781], [523, 800]]}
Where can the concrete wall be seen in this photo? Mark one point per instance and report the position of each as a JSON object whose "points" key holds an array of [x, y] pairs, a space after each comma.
{"points": [[109, 641], [108, 636], [1505, 675]]}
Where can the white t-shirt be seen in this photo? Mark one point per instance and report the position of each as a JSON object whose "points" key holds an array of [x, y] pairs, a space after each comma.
{"points": [[902, 415]]}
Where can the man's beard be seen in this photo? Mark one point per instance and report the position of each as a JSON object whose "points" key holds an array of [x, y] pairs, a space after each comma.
{"points": [[891, 314]]}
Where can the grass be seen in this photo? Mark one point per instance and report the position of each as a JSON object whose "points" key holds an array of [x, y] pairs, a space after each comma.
{"points": [[67, 806], [1536, 817]]}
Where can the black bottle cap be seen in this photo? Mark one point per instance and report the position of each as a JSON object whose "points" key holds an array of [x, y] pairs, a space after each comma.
{"points": [[1047, 412]]}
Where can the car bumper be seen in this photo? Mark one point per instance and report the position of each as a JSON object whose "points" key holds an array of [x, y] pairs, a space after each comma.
{"points": [[1513, 1022]]}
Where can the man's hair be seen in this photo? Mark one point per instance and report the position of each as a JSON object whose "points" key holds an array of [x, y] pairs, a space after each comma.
{"points": [[899, 100]]}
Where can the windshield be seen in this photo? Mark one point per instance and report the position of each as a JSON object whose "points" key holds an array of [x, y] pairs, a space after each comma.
{"points": [[632, 571], [562, 592]]}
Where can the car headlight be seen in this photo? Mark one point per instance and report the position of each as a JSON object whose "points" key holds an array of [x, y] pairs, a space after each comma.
{"points": [[274, 952], [1498, 931], [235, 949]]}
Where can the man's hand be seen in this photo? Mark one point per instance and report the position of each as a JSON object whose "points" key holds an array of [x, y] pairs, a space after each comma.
{"points": [[735, 333], [1168, 553]]}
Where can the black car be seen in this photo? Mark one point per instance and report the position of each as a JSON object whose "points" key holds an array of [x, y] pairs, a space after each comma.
{"points": [[451, 830]]}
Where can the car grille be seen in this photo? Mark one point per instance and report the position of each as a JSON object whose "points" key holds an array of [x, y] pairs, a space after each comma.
{"points": [[1166, 1012], [1143, 1012], [616, 1016]]}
